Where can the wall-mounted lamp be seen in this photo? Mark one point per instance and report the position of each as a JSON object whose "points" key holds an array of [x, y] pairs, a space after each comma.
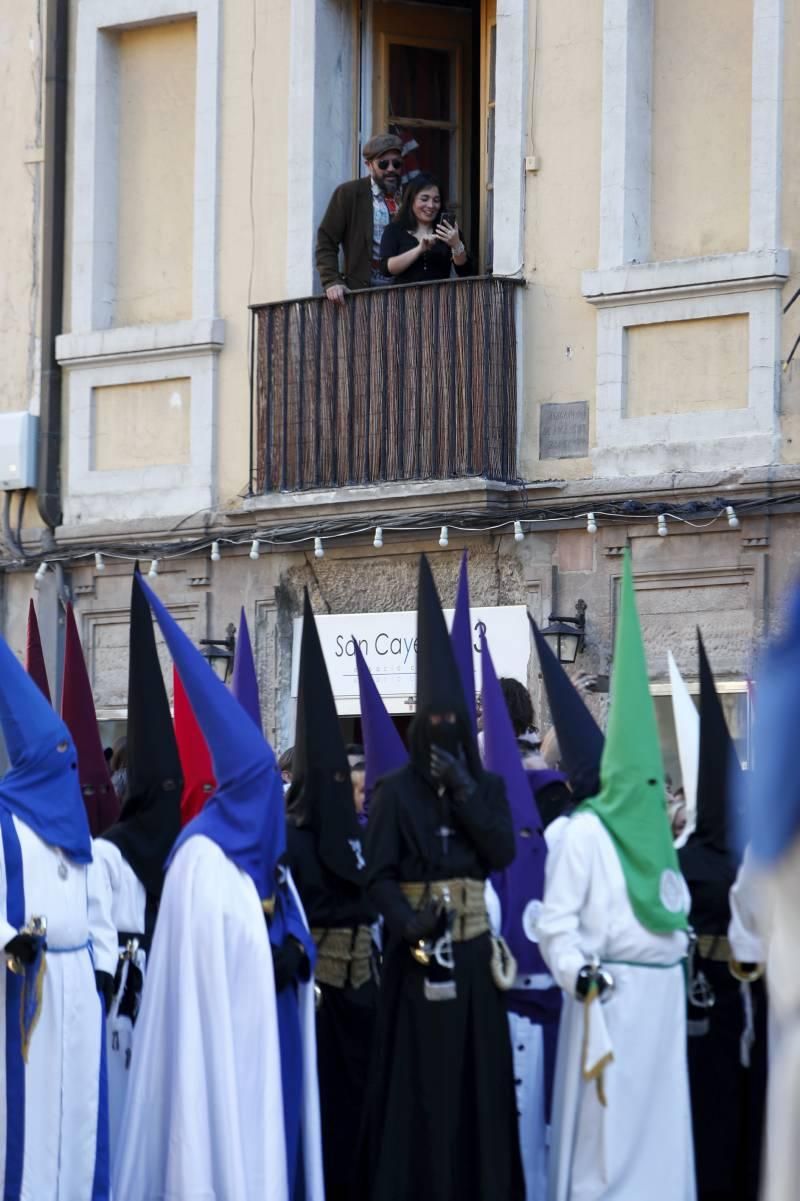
{"points": [[567, 635], [219, 652]]}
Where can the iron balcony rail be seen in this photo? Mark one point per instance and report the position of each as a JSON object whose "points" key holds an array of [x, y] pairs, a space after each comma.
{"points": [[409, 382]]}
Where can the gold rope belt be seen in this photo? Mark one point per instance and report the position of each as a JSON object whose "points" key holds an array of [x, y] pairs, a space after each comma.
{"points": [[463, 898], [714, 947], [344, 955]]}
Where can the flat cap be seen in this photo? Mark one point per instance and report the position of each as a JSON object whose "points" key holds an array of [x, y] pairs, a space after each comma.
{"points": [[380, 143]]}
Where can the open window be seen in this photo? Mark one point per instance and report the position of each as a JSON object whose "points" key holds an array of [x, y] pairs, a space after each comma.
{"points": [[428, 75]]}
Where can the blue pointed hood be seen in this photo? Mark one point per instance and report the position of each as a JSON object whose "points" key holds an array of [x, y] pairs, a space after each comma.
{"points": [[244, 684], [384, 749], [244, 817], [461, 640], [768, 796], [41, 786]]}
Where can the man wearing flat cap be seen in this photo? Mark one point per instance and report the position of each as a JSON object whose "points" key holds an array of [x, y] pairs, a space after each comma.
{"points": [[356, 216]]}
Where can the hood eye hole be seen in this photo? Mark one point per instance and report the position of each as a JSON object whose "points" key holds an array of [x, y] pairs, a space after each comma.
{"points": [[168, 785], [62, 746], [339, 777]]}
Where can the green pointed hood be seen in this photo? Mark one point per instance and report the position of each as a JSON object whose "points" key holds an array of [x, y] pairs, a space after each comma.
{"points": [[631, 803]]}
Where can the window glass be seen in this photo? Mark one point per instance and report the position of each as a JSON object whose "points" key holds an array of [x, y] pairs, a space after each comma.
{"points": [[419, 82]]}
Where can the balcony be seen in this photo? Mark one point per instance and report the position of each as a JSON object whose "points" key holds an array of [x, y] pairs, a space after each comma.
{"points": [[415, 382]]}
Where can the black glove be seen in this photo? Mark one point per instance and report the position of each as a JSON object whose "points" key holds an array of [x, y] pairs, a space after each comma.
{"points": [[589, 975], [452, 773], [105, 986], [23, 947], [426, 925], [288, 963]]}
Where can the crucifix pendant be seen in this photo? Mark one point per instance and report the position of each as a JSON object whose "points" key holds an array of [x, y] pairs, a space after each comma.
{"points": [[444, 833]]}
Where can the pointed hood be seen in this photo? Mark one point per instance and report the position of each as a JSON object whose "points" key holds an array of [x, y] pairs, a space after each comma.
{"points": [[580, 740], [768, 796], [321, 793], [707, 860], [34, 655], [384, 750], [41, 785], [439, 687], [77, 710], [687, 732], [150, 820], [244, 682], [244, 817], [196, 767], [523, 881], [461, 641], [632, 802]]}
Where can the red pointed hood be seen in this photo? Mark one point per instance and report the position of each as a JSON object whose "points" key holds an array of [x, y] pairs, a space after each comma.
{"points": [[34, 655], [77, 710], [198, 774]]}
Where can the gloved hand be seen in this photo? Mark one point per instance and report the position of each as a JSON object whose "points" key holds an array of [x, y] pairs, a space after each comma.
{"points": [[589, 975], [23, 947], [105, 986], [452, 773], [288, 962], [426, 925]]}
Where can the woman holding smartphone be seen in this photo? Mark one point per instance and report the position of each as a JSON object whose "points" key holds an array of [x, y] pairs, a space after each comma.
{"points": [[422, 243]]}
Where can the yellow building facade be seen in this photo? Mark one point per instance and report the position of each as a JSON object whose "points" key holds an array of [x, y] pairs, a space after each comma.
{"points": [[625, 175]]}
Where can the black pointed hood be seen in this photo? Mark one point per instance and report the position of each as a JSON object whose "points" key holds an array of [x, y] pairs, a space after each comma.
{"points": [[707, 861], [580, 739], [150, 820], [321, 794]]}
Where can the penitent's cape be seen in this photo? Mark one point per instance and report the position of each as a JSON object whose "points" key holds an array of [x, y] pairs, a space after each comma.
{"points": [[631, 802], [296, 1008], [204, 1116]]}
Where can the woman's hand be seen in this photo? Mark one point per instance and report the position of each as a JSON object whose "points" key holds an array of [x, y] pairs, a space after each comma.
{"points": [[448, 234], [426, 242]]}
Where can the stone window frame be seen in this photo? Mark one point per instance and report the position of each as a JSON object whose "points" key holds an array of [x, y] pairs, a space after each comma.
{"points": [[94, 353], [628, 288]]}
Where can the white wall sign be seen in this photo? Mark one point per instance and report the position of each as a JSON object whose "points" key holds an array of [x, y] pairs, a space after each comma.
{"points": [[388, 642]]}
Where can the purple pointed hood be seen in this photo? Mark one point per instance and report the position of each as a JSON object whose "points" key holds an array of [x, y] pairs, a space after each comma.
{"points": [[384, 750], [244, 682], [461, 639], [521, 886]]}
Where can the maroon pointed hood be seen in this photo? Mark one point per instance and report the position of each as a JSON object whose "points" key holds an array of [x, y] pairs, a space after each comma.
{"points": [[34, 655], [77, 710]]}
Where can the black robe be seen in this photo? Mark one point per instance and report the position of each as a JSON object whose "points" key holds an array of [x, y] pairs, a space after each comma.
{"points": [[728, 1098], [345, 1017], [441, 1120]]}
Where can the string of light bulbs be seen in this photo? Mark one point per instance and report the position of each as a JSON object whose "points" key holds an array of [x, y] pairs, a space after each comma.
{"points": [[514, 526]]}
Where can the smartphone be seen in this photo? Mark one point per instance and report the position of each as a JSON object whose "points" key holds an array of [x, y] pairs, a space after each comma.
{"points": [[447, 216]]}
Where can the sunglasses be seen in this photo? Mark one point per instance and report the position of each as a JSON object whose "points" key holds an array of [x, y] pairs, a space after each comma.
{"points": [[383, 163]]}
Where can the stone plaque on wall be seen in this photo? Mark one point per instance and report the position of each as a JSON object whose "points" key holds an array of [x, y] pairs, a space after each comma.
{"points": [[564, 430]]}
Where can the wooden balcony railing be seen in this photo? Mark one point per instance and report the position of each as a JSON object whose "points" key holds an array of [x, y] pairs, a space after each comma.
{"points": [[412, 382]]}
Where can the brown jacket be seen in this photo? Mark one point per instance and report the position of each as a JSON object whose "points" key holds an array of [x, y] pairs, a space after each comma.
{"points": [[349, 223]]}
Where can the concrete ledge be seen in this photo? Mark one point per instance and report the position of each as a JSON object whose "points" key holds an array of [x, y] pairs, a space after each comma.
{"points": [[741, 272], [141, 341]]}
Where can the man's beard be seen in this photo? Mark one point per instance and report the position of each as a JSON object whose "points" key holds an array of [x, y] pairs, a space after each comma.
{"points": [[389, 185]]}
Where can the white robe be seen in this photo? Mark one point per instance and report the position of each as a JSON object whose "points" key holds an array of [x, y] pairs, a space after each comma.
{"points": [[639, 1145], [204, 1114], [62, 1077], [121, 898]]}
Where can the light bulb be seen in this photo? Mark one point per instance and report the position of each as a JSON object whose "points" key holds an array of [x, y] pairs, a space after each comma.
{"points": [[98, 561], [153, 572], [519, 534], [41, 572], [319, 549], [591, 524], [215, 555], [662, 526], [254, 552], [377, 541], [733, 520], [444, 537]]}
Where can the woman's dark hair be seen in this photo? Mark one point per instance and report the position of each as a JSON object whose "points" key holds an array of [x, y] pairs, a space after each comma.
{"points": [[518, 703], [405, 214]]}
